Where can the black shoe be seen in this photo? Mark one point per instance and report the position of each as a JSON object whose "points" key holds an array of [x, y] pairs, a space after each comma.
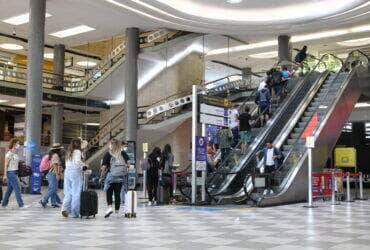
{"points": [[55, 206], [65, 214], [43, 204]]}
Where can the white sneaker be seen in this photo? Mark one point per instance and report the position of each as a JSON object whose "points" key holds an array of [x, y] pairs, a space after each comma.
{"points": [[271, 191], [109, 212], [149, 203], [155, 203], [265, 192]]}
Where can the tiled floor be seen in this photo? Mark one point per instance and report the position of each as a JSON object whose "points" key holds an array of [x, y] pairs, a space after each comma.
{"points": [[345, 226]]}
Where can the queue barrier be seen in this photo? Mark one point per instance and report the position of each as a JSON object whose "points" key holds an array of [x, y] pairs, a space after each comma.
{"points": [[329, 183]]}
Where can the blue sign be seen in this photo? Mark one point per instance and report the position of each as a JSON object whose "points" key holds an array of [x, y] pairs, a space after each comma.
{"points": [[213, 134], [36, 177], [201, 153]]}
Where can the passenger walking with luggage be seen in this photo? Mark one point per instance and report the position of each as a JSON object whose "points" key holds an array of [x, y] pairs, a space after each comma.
{"points": [[54, 173], [73, 179], [263, 100], [114, 168], [272, 158], [167, 160], [245, 129], [11, 174], [152, 186], [226, 137]]}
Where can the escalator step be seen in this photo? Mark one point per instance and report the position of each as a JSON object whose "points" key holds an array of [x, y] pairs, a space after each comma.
{"points": [[295, 135], [291, 141], [298, 130], [314, 104], [302, 124], [306, 118], [287, 147], [311, 109], [308, 114]]}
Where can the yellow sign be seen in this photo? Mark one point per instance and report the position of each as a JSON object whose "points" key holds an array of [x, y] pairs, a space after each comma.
{"points": [[345, 157], [217, 101], [145, 147]]}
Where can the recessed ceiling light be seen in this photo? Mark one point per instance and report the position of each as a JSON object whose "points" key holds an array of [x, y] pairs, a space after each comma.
{"points": [[20, 105], [72, 31], [234, 1], [48, 55], [271, 54], [3, 101], [355, 42], [21, 19], [91, 124], [11, 46], [86, 64]]}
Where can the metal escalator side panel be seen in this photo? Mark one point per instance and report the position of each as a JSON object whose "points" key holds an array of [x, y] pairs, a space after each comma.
{"points": [[294, 187], [273, 127], [330, 129]]}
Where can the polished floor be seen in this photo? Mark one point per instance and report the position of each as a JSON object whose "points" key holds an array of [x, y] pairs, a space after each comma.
{"points": [[345, 226]]}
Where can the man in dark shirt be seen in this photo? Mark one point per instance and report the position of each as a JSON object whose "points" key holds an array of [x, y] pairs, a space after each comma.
{"points": [[245, 129]]}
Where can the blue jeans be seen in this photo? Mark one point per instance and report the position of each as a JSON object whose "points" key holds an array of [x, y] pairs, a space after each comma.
{"points": [[224, 153], [235, 132], [13, 185], [72, 191], [52, 192]]}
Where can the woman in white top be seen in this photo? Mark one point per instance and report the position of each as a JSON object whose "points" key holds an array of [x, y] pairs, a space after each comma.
{"points": [[73, 179], [11, 174]]}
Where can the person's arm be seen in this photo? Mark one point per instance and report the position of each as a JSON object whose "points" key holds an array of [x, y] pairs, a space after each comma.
{"points": [[6, 167]]}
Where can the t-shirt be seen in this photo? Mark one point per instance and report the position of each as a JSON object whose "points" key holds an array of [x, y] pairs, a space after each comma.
{"points": [[244, 119], [107, 159], [13, 160], [225, 138], [270, 157], [233, 118]]}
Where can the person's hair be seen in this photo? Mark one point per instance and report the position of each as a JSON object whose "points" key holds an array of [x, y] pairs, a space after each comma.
{"points": [[155, 153], [285, 68], [116, 147], [13, 142], [246, 109], [74, 145], [167, 149], [304, 48], [54, 151]]}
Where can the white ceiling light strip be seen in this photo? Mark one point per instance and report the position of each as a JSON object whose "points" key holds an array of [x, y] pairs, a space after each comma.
{"points": [[21, 19], [72, 31], [294, 39], [348, 11]]}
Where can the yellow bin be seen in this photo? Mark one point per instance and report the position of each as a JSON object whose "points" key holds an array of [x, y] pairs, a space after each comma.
{"points": [[345, 157]]}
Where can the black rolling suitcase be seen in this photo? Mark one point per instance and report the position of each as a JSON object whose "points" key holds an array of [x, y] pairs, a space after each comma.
{"points": [[89, 199]]}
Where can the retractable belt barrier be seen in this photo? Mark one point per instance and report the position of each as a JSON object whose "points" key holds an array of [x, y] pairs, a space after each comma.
{"points": [[330, 184]]}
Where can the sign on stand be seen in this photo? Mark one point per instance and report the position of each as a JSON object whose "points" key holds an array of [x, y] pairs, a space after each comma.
{"points": [[201, 153], [214, 110], [214, 120]]}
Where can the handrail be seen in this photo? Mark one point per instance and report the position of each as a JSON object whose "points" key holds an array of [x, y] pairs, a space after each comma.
{"points": [[220, 79]]}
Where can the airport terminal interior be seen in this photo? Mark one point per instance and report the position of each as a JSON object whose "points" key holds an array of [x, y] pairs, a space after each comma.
{"points": [[184, 124]]}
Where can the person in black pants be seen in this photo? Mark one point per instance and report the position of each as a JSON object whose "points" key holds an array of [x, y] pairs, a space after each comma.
{"points": [[114, 169], [154, 159]]}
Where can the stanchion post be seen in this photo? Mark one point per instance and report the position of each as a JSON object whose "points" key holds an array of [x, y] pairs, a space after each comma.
{"points": [[333, 187], [348, 188], [145, 175], [310, 144], [361, 183], [193, 139]]}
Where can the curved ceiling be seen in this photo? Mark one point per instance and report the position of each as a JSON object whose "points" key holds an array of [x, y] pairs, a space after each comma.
{"points": [[260, 17]]}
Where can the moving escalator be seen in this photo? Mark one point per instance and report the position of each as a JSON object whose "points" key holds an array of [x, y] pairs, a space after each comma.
{"points": [[229, 180], [324, 111]]}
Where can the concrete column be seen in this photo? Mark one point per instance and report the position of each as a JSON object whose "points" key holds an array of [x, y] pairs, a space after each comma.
{"points": [[36, 33], [131, 83], [284, 48], [57, 124], [246, 74], [58, 65]]}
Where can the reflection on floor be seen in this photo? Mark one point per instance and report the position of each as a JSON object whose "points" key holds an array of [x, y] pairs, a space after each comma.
{"points": [[345, 226]]}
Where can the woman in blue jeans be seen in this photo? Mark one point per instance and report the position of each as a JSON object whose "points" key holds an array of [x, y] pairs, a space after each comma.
{"points": [[11, 174], [54, 173], [73, 180]]}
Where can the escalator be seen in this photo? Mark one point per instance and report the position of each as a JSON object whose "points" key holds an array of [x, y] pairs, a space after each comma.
{"points": [[228, 181], [327, 110]]}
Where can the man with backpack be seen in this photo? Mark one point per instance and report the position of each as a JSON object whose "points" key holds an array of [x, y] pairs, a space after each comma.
{"points": [[272, 160], [277, 82], [263, 100]]}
